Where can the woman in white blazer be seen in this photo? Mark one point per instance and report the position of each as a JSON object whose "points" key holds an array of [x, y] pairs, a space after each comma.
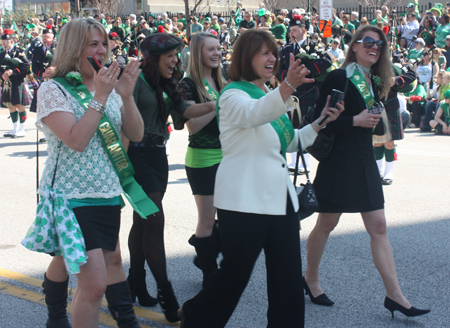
{"points": [[254, 195]]}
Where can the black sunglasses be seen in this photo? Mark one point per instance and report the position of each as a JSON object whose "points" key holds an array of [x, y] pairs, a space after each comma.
{"points": [[369, 42]]}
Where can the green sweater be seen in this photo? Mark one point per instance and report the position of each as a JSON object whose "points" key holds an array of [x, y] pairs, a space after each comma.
{"points": [[279, 31]]}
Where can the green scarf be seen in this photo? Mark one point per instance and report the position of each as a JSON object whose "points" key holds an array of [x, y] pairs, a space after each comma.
{"points": [[116, 153], [282, 125]]}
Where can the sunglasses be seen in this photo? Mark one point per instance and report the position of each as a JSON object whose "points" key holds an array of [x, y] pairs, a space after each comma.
{"points": [[369, 42]]}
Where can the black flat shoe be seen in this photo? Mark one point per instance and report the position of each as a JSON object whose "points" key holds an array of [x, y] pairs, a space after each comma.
{"points": [[386, 182], [322, 299], [394, 306]]}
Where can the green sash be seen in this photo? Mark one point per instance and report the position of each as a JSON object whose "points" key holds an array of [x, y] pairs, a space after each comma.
{"points": [[166, 98], [116, 153], [360, 83], [213, 94], [282, 125]]}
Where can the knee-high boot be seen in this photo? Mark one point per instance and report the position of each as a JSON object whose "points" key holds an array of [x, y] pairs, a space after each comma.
{"points": [[206, 254], [120, 305], [56, 300]]}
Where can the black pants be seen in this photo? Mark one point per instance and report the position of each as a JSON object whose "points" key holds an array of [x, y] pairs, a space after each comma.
{"points": [[243, 236]]}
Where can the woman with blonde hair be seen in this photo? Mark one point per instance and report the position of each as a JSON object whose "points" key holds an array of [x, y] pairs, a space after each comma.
{"points": [[78, 165], [348, 180], [204, 83]]}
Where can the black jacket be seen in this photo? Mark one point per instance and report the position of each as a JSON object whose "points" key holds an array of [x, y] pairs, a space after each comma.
{"points": [[21, 71], [38, 59]]}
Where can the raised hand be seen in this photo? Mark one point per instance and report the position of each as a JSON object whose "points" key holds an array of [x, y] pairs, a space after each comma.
{"points": [[125, 85]]}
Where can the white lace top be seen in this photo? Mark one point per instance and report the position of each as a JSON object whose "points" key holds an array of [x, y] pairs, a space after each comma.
{"points": [[87, 174]]}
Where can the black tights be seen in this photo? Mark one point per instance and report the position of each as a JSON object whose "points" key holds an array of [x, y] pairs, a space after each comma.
{"points": [[146, 241]]}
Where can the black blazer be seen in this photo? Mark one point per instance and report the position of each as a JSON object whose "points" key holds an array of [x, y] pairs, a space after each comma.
{"points": [[38, 58], [348, 181]]}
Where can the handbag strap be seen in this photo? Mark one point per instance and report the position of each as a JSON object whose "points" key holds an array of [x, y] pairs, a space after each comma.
{"points": [[300, 153]]}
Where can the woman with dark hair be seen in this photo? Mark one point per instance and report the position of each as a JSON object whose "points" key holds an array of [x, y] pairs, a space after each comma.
{"points": [[348, 180], [254, 195], [428, 32], [442, 30], [204, 153], [156, 97]]}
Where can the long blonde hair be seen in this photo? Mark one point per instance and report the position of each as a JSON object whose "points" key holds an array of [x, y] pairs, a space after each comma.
{"points": [[74, 37], [383, 67], [196, 65]]}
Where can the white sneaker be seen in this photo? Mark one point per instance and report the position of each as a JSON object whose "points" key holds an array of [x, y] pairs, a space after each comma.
{"points": [[388, 173]]}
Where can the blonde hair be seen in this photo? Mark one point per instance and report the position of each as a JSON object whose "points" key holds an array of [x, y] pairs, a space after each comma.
{"points": [[382, 68], [196, 65], [74, 37]]}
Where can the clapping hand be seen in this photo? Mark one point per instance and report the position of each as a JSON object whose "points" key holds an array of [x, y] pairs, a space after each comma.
{"points": [[125, 85]]}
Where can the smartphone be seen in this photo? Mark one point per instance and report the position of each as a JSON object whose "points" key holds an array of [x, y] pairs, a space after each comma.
{"points": [[94, 62], [336, 97]]}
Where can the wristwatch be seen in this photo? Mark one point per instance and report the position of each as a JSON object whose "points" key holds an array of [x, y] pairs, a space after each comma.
{"points": [[94, 104]]}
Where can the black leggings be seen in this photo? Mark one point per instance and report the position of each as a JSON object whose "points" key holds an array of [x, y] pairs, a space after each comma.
{"points": [[146, 241]]}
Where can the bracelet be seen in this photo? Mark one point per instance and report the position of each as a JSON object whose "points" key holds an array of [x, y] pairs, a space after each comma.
{"points": [[290, 86], [95, 105], [320, 127]]}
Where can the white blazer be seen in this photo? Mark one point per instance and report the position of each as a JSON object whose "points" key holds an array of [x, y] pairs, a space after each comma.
{"points": [[253, 176]]}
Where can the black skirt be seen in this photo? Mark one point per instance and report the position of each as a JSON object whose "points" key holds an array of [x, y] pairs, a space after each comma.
{"points": [[202, 180], [151, 167], [100, 226]]}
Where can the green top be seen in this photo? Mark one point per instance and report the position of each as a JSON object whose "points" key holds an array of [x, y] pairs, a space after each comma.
{"points": [[182, 20], [279, 31], [337, 21], [441, 33], [350, 27], [414, 54], [196, 28], [383, 20], [120, 32], [446, 110], [356, 23], [215, 27], [427, 37], [147, 103]]}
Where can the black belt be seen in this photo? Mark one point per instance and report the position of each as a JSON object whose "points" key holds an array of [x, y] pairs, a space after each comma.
{"points": [[150, 140]]}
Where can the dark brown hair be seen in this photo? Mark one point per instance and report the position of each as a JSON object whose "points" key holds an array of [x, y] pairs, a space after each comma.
{"points": [[246, 47], [159, 84]]}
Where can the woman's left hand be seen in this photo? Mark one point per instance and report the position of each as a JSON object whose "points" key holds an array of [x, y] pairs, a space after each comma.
{"points": [[331, 113], [125, 85]]}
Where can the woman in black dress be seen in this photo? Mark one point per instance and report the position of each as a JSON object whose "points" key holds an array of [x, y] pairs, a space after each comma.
{"points": [[348, 180]]}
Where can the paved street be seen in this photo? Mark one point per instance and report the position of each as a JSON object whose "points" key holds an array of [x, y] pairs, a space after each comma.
{"points": [[418, 215]]}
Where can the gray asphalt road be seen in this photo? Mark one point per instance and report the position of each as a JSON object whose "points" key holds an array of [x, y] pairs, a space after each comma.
{"points": [[418, 218]]}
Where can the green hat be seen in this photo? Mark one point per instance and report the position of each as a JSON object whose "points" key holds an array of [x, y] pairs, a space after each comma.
{"points": [[261, 12], [318, 66], [159, 43], [437, 8], [153, 15], [30, 26], [195, 18], [447, 94], [208, 19]]}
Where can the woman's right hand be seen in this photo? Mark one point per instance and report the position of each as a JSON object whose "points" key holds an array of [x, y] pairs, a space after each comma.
{"points": [[366, 120], [297, 72], [105, 81]]}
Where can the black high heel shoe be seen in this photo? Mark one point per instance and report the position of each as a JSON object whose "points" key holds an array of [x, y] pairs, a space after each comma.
{"points": [[394, 306], [322, 299]]}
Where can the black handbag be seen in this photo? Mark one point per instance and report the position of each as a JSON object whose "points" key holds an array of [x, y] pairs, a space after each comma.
{"points": [[306, 195], [323, 144]]}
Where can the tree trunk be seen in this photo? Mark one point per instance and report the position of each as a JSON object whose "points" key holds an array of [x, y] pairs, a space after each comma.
{"points": [[188, 19]]}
